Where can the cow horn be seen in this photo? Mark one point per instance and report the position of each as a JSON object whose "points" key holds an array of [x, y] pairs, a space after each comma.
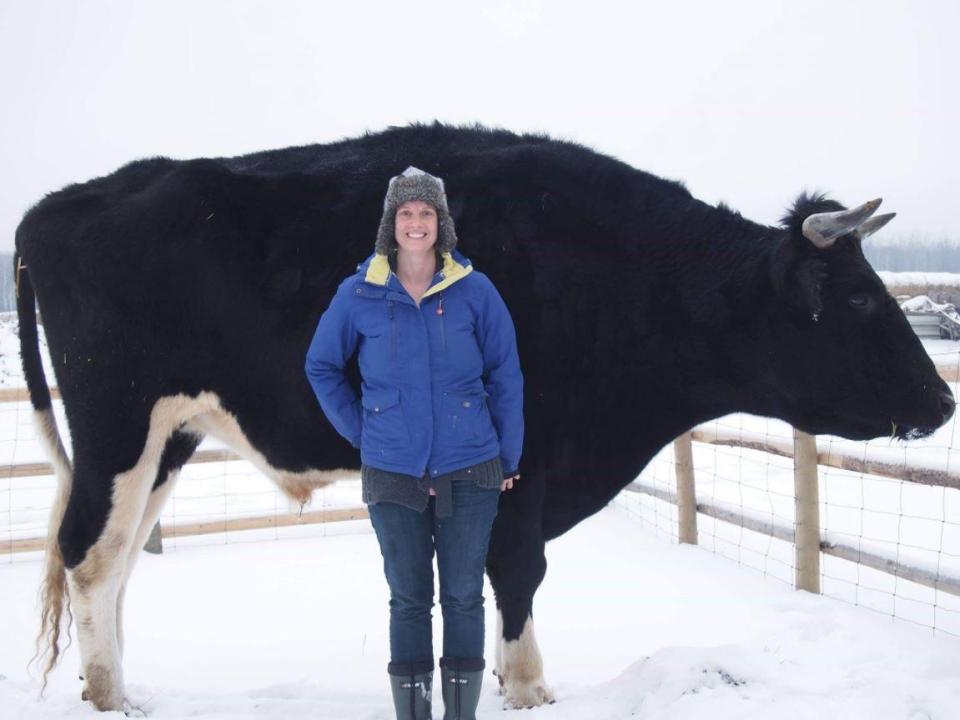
{"points": [[822, 229], [874, 224]]}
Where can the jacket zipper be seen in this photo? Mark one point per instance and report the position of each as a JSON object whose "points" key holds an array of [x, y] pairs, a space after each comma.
{"points": [[443, 334], [393, 331]]}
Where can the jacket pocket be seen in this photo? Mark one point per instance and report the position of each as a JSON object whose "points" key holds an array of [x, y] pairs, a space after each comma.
{"points": [[466, 419], [384, 431]]}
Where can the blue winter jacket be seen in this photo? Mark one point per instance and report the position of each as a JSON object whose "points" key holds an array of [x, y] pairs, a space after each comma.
{"points": [[441, 383]]}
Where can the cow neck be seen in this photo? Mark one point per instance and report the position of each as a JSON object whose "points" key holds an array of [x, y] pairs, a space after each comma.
{"points": [[734, 282]]}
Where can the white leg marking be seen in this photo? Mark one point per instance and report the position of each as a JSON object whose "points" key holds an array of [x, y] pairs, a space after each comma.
{"points": [[96, 582], [155, 503], [520, 669], [95, 612]]}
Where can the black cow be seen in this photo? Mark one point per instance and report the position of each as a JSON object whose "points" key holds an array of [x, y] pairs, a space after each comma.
{"points": [[179, 298]]}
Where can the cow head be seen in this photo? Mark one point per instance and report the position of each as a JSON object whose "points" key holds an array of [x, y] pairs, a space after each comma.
{"points": [[847, 361]]}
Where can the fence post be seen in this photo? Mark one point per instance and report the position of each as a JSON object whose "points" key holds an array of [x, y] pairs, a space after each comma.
{"points": [[686, 489], [807, 503]]}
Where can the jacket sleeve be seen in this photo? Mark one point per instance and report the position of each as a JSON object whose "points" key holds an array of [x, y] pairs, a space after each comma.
{"points": [[501, 372], [334, 342]]}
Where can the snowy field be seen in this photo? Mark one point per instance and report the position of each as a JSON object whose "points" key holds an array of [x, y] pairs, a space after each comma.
{"points": [[630, 626]]}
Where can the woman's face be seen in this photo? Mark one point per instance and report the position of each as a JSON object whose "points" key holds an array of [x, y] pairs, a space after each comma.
{"points": [[415, 226]]}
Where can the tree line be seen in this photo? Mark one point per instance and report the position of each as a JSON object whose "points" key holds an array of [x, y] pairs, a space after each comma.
{"points": [[913, 254]]}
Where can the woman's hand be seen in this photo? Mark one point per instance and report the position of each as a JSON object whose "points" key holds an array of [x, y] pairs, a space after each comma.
{"points": [[508, 483]]}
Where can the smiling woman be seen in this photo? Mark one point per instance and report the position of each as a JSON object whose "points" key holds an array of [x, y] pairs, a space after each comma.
{"points": [[439, 420], [416, 226]]}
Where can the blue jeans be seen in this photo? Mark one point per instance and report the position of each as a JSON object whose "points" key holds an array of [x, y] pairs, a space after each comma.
{"points": [[407, 542]]}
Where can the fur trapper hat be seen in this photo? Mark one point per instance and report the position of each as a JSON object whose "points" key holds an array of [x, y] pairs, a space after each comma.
{"points": [[415, 184]]}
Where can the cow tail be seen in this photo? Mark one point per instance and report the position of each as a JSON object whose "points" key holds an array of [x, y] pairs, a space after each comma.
{"points": [[54, 598]]}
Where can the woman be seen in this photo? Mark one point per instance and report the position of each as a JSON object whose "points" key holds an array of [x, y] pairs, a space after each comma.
{"points": [[439, 425]]}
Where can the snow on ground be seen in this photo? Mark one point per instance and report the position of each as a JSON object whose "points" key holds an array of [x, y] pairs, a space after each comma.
{"points": [[630, 626]]}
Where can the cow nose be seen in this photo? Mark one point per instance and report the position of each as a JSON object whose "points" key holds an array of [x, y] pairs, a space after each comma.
{"points": [[947, 405]]}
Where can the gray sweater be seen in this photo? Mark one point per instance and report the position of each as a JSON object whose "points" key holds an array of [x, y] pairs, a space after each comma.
{"points": [[385, 486]]}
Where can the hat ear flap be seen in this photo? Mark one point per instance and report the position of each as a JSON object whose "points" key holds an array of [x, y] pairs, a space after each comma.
{"points": [[386, 242], [447, 234]]}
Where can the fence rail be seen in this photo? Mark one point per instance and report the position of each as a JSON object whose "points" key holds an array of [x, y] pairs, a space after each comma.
{"points": [[834, 458], [40, 469], [923, 577], [805, 535]]}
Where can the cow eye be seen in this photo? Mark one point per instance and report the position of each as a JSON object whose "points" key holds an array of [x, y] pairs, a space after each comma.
{"points": [[859, 301]]}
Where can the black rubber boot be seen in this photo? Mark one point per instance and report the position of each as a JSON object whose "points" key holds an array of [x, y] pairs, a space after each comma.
{"points": [[412, 688], [460, 680]]}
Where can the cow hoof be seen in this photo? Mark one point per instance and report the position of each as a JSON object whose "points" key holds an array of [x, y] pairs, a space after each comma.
{"points": [[526, 695], [107, 704]]}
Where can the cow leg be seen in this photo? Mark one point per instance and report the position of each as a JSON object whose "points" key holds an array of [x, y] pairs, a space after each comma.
{"points": [[177, 451], [155, 503], [516, 565], [105, 519], [94, 586], [518, 660]]}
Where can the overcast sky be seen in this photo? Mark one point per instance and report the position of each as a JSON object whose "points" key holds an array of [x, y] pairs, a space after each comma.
{"points": [[746, 102]]}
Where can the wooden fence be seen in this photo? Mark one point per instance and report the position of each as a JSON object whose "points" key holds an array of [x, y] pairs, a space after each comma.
{"points": [[40, 469], [805, 535]]}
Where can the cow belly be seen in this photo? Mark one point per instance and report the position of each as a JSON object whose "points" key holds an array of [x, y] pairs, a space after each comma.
{"points": [[223, 425]]}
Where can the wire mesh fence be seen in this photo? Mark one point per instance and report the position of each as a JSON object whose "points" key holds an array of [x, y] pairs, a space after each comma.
{"points": [[899, 540], [213, 501], [898, 530]]}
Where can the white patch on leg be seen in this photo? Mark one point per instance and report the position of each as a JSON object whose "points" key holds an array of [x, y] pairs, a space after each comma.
{"points": [[520, 669], [95, 611], [97, 584], [156, 501]]}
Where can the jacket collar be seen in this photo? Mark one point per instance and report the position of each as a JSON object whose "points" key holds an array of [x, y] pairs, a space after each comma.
{"points": [[376, 271]]}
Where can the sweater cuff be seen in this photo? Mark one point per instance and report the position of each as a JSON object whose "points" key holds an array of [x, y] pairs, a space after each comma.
{"points": [[510, 474]]}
